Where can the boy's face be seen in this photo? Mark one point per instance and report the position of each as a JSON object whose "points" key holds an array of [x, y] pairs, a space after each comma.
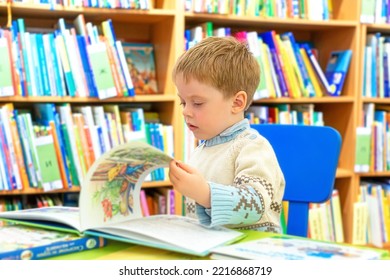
{"points": [[206, 111]]}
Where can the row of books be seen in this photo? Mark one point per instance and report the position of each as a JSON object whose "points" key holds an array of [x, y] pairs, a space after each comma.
{"points": [[38, 201], [373, 139], [302, 114], [304, 9], [375, 11], [111, 4], [371, 215], [53, 146], [325, 220], [158, 201], [376, 81], [74, 60], [288, 68]]}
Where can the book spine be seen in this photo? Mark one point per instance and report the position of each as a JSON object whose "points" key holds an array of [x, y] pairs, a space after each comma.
{"points": [[61, 163], [55, 249], [43, 65], [70, 83]]}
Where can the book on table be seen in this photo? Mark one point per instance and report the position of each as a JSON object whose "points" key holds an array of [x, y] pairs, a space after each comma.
{"points": [[289, 247], [110, 207], [19, 242]]}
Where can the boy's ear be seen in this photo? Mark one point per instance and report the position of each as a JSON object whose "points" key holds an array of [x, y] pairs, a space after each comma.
{"points": [[239, 101]]}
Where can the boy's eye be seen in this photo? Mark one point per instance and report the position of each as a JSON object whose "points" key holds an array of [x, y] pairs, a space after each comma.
{"points": [[198, 104]]}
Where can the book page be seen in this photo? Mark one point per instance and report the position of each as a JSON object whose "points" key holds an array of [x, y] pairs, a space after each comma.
{"points": [[111, 190], [289, 248], [60, 214], [173, 232]]}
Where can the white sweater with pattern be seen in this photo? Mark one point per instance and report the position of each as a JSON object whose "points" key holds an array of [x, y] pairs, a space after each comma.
{"points": [[246, 182]]}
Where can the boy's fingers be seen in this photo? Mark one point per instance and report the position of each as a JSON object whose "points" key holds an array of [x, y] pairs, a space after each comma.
{"points": [[186, 167]]}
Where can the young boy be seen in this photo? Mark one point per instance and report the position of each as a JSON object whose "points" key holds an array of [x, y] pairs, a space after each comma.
{"points": [[233, 178]]}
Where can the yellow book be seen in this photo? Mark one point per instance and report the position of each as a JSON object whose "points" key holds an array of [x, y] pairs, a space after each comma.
{"points": [[337, 217], [312, 75], [360, 222], [315, 227], [386, 213], [114, 110], [296, 71], [80, 152], [295, 92]]}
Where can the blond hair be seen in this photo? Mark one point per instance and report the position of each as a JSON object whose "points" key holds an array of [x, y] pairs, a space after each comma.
{"points": [[223, 63]]}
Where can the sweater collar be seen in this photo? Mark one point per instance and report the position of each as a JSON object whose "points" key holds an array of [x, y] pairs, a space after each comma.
{"points": [[228, 134]]}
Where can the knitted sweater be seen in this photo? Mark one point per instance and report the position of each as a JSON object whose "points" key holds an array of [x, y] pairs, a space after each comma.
{"points": [[246, 182]]}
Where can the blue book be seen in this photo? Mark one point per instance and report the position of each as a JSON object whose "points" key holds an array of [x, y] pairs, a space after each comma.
{"points": [[42, 65], [38, 73], [337, 69], [19, 242], [90, 78], [56, 64], [372, 41]]}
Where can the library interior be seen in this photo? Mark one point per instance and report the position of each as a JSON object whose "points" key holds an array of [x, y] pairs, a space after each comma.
{"points": [[90, 119]]}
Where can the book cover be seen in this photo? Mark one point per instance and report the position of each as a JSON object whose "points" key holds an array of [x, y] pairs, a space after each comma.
{"points": [[110, 207], [141, 64], [101, 69], [363, 149], [6, 85], [292, 248], [18, 242], [337, 69]]}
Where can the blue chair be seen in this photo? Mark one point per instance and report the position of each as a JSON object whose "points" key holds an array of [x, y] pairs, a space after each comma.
{"points": [[308, 157]]}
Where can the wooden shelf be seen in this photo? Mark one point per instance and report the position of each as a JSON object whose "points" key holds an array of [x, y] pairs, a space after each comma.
{"points": [[67, 99], [98, 14], [377, 27], [272, 23], [376, 100], [343, 173], [31, 191], [328, 99], [374, 174]]}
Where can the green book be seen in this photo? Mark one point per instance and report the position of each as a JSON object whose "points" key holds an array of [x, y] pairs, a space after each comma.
{"points": [[102, 70], [48, 163], [69, 156], [367, 12], [6, 87], [363, 149]]}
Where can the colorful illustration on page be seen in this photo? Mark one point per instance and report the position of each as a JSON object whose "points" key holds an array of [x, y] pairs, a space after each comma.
{"points": [[117, 179]]}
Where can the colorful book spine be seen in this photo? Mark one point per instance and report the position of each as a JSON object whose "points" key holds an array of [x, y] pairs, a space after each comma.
{"points": [[317, 68], [58, 248], [268, 38]]}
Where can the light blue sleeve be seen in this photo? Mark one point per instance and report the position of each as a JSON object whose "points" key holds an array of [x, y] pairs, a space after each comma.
{"points": [[231, 206]]}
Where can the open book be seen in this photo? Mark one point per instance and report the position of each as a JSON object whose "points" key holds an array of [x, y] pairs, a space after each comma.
{"points": [[294, 248], [110, 207]]}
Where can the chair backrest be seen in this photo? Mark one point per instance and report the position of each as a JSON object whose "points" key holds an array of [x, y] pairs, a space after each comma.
{"points": [[308, 157]]}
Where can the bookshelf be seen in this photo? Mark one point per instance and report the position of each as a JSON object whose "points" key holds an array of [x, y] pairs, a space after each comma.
{"points": [[160, 26], [164, 26]]}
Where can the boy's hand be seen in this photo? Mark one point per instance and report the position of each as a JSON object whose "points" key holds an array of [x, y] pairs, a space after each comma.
{"points": [[189, 182]]}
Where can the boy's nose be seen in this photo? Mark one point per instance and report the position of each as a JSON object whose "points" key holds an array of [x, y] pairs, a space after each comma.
{"points": [[186, 111]]}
